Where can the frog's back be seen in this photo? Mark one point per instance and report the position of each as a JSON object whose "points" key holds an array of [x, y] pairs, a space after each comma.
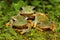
{"points": [[42, 20], [20, 21], [41, 17], [45, 24]]}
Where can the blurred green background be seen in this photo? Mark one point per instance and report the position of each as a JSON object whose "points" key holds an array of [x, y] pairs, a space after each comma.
{"points": [[9, 8]]}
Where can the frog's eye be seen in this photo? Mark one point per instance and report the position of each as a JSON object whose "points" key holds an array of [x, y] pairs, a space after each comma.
{"points": [[20, 9], [26, 18], [14, 19], [34, 8]]}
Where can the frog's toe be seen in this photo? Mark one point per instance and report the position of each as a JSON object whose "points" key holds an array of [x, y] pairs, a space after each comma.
{"points": [[52, 29], [31, 24], [34, 26], [30, 21], [22, 32]]}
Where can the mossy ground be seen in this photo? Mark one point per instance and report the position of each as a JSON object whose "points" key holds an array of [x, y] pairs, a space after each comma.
{"points": [[9, 8], [34, 34]]}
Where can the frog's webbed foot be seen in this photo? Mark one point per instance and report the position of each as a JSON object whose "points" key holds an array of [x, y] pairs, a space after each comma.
{"points": [[53, 27], [22, 31], [8, 24], [30, 23], [35, 25]]}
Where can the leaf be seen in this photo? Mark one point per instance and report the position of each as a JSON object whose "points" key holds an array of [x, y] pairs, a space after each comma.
{"points": [[56, 1], [35, 3], [12, 32], [18, 5]]}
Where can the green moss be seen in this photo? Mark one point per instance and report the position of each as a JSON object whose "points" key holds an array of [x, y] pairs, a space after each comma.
{"points": [[44, 6]]}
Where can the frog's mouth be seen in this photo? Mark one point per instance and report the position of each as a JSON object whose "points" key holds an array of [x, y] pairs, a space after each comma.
{"points": [[20, 27], [26, 14], [30, 16]]}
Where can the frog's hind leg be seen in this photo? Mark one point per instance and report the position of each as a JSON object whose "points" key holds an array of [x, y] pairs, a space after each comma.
{"points": [[30, 23], [41, 30], [52, 27], [20, 31], [35, 25], [24, 31], [8, 24]]}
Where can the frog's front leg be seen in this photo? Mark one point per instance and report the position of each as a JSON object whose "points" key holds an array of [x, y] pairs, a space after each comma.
{"points": [[35, 23], [25, 30], [9, 23], [20, 31], [30, 23]]}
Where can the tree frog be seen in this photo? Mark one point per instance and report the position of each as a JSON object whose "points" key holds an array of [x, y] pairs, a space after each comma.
{"points": [[20, 24], [42, 22], [27, 11]]}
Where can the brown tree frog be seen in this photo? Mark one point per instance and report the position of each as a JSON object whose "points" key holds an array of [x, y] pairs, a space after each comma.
{"points": [[27, 11], [42, 22], [20, 24]]}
